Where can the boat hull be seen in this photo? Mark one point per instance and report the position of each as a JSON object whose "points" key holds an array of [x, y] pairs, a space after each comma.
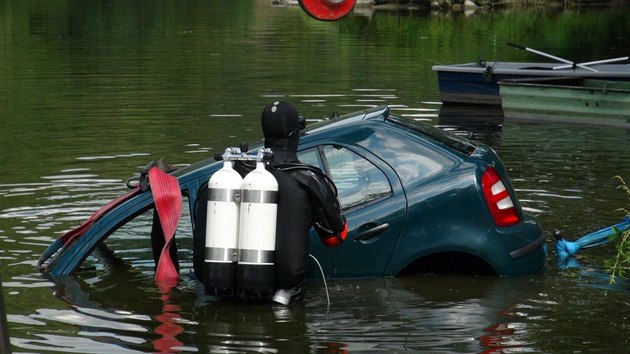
{"points": [[570, 100], [478, 83]]}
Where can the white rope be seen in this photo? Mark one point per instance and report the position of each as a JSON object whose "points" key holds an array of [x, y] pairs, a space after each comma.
{"points": [[323, 278]]}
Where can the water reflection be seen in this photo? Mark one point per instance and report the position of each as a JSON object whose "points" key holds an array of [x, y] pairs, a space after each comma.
{"points": [[444, 314], [479, 123], [182, 319], [169, 327], [94, 305]]}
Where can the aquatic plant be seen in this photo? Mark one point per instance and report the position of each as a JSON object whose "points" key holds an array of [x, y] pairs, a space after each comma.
{"points": [[621, 262]]}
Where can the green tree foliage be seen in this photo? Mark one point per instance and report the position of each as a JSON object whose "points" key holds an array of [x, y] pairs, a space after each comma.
{"points": [[621, 262]]}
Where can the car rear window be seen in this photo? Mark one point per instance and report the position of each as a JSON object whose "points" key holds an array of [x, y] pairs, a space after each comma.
{"points": [[455, 142]]}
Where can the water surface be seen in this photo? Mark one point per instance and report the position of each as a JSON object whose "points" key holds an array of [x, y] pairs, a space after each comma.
{"points": [[91, 92]]}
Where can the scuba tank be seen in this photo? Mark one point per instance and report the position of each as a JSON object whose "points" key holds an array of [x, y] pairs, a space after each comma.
{"points": [[241, 228], [221, 244], [257, 231]]}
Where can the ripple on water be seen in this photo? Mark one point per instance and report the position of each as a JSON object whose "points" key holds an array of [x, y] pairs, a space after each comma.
{"points": [[75, 344]]}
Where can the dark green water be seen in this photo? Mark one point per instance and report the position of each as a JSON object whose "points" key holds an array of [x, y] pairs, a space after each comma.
{"points": [[92, 91]]}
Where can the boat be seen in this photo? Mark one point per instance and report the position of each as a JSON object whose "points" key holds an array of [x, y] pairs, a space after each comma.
{"points": [[567, 99], [478, 83]]}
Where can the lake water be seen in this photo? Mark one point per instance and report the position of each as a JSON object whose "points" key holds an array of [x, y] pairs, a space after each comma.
{"points": [[92, 91]]}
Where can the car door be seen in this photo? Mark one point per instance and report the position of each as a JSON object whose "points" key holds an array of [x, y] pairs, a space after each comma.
{"points": [[374, 204]]}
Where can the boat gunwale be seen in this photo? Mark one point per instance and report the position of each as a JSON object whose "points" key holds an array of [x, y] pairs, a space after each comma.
{"points": [[535, 69], [541, 82]]}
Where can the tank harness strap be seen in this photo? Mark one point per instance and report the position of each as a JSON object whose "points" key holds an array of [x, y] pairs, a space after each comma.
{"points": [[168, 205]]}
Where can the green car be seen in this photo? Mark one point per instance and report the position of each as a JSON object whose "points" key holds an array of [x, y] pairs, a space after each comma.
{"points": [[417, 200]]}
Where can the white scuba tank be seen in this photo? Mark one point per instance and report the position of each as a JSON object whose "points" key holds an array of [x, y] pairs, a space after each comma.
{"points": [[257, 233], [222, 224]]}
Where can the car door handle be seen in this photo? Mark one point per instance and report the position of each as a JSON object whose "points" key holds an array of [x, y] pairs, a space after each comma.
{"points": [[371, 233]]}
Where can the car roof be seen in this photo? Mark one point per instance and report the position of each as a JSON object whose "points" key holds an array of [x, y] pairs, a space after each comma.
{"points": [[383, 114], [379, 113]]}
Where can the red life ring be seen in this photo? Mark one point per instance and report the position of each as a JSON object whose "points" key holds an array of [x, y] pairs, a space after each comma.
{"points": [[327, 10]]}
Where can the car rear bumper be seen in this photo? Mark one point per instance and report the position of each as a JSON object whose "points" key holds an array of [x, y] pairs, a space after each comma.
{"points": [[532, 247], [516, 250]]}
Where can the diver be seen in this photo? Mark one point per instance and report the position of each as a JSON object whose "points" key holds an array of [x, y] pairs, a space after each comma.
{"points": [[306, 197]]}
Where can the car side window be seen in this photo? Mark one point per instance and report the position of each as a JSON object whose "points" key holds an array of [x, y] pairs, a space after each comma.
{"points": [[310, 157], [358, 181]]}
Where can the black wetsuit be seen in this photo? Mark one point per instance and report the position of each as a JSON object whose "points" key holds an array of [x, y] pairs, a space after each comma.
{"points": [[292, 231]]}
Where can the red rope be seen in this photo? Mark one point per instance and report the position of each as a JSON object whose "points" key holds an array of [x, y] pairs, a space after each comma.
{"points": [[168, 204], [81, 229]]}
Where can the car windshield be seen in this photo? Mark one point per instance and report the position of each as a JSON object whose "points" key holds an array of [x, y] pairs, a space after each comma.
{"points": [[458, 143]]}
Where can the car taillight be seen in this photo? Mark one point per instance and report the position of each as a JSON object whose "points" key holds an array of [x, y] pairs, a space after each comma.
{"points": [[498, 199]]}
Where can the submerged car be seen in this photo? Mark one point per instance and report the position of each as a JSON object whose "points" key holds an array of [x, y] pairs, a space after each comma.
{"points": [[417, 199]]}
